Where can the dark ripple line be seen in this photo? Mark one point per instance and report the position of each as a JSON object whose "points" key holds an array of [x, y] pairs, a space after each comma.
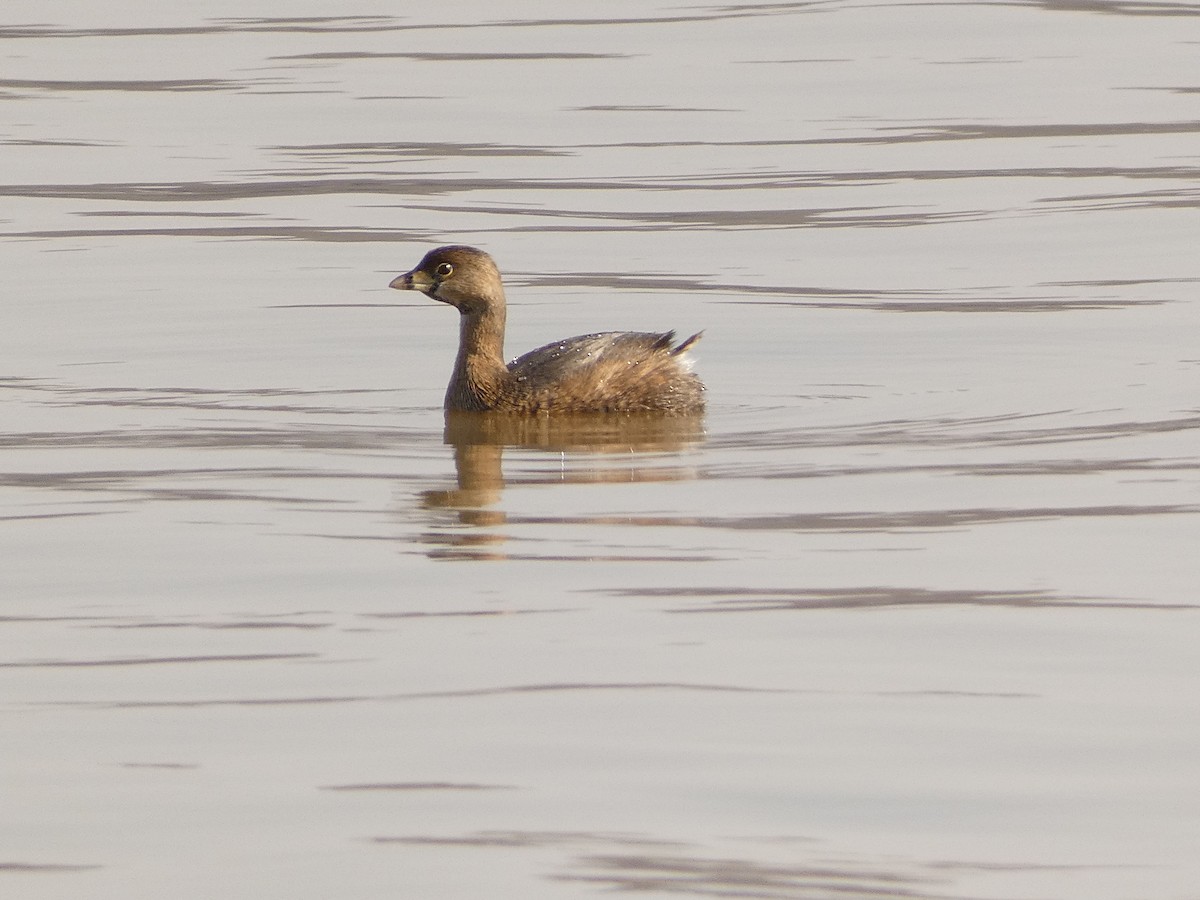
{"points": [[355, 24], [1112, 7], [133, 481], [172, 394], [724, 219], [865, 522], [36, 516], [311, 24], [167, 766], [419, 786], [521, 689], [954, 432], [454, 57], [514, 838], [1183, 198], [222, 626], [294, 232], [810, 297], [433, 185], [989, 469], [740, 599], [460, 613], [695, 876], [33, 868], [203, 191], [232, 438], [740, 180], [152, 661], [964, 131], [31, 142], [419, 149], [184, 85], [121, 621]]}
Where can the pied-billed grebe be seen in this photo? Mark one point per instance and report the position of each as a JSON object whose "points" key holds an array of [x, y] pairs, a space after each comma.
{"points": [[617, 371]]}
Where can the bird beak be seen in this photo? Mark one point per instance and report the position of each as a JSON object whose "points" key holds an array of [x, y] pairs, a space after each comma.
{"points": [[416, 280]]}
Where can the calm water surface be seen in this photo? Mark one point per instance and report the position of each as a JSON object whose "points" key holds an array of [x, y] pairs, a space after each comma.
{"points": [[911, 613]]}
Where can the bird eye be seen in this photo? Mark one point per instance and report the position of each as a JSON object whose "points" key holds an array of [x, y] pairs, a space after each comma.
{"points": [[445, 270]]}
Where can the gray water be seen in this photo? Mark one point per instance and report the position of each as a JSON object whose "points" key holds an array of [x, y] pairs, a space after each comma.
{"points": [[910, 614]]}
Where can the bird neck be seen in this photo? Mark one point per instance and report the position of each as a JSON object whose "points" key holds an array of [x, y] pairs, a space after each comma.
{"points": [[480, 375]]}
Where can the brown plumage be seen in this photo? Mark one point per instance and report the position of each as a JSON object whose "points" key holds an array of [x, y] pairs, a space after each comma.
{"points": [[617, 371]]}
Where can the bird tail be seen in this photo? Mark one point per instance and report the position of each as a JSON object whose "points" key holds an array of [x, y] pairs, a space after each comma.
{"points": [[686, 345]]}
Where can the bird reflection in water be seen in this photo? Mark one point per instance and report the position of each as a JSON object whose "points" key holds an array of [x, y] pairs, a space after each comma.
{"points": [[619, 448]]}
